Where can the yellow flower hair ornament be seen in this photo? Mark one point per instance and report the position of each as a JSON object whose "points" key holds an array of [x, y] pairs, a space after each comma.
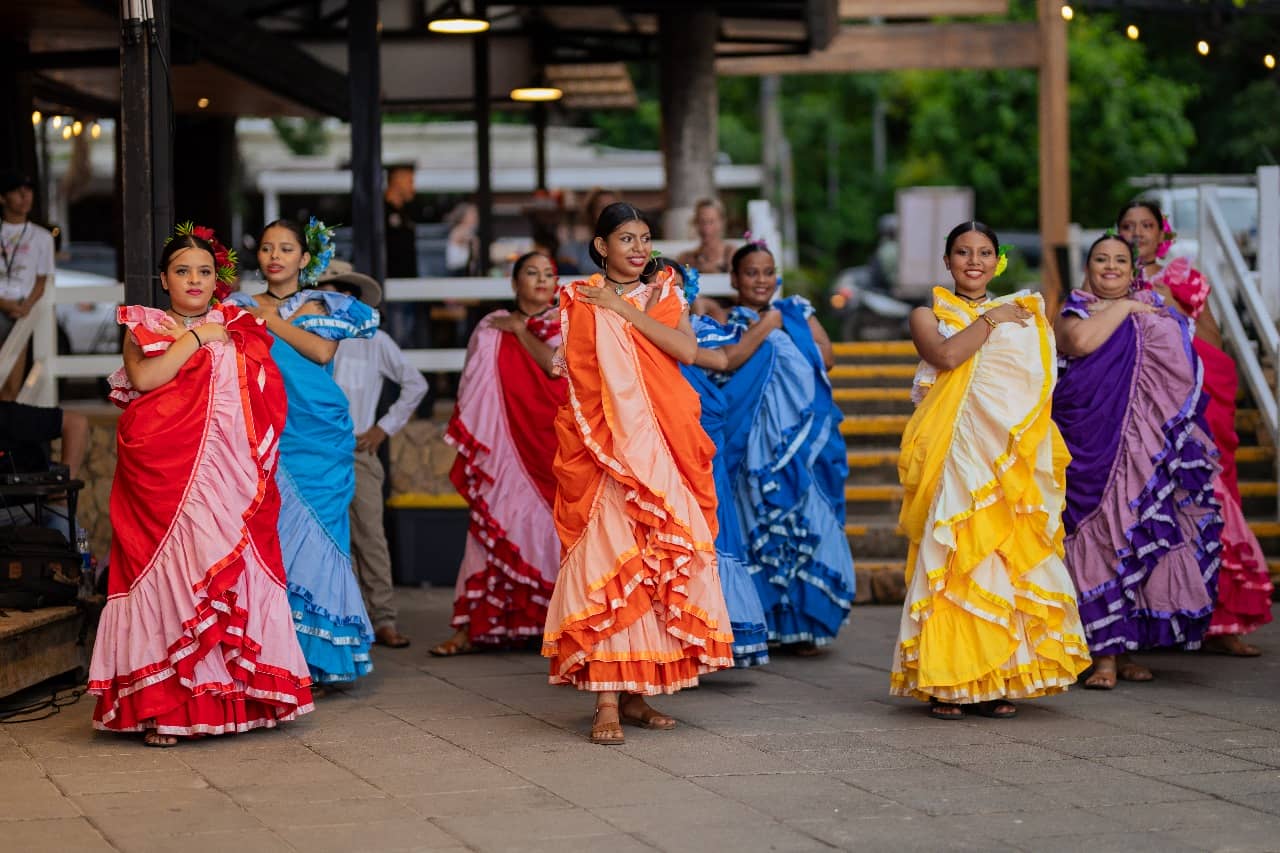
{"points": [[1003, 263]]}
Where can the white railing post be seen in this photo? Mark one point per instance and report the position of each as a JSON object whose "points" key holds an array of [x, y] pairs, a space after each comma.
{"points": [[41, 385], [1269, 238]]}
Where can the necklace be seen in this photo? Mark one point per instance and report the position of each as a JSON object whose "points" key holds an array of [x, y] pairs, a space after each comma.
{"points": [[279, 298], [9, 258], [973, 300], [188, 320], [525, 313], [619, 287]]}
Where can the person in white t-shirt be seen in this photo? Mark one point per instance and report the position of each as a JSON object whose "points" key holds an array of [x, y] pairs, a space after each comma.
{"points": [[359, 368], [26, 262]]}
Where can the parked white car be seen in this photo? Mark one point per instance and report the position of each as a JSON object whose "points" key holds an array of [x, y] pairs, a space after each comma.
{"points": [[1182, 206], [89, 327]]}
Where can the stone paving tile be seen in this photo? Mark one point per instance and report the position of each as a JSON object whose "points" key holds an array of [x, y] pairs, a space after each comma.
{"points": [[284, 796], [1121, 842], [1118, 788], [136, 780], [281, 816], [900, 835], [998, 753], [491, 831], [1025, 829], [239, 841], [518, 800], [175, 812], [988, 799], [66, 835], [388, 835], [1239, 783], [1179, 763], [1163, 817], [925, 777], [30, 799], [729, 826], [811, 797]]}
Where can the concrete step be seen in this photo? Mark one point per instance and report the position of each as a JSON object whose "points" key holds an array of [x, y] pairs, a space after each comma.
{"points": [[872, 375], [880, 352], [1258, 498], [873, 430], [875, 537], [877, 499], [873, 466], [874, 401]]}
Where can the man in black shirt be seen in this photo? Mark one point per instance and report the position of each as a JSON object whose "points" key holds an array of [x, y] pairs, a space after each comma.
{"points": [[402, 254]]}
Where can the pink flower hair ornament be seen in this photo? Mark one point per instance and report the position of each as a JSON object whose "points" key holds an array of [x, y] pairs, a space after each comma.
{"points": [[1169, 236]]}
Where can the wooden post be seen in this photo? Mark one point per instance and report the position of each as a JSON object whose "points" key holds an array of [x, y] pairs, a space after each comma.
{"points": [[1055, 153], [484, 153], [369, 250], [689, 104]]}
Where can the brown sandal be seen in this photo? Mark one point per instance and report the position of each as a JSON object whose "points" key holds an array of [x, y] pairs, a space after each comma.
{"points": [[159, 741], [453, 646], [648, 718], [945, 710], [606, 734]]}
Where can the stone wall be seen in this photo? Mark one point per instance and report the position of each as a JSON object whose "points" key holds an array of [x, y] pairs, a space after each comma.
{"points": [[420, 462]]}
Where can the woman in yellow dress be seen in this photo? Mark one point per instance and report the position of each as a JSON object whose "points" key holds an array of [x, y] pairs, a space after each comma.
{"points": [[990, 613]]}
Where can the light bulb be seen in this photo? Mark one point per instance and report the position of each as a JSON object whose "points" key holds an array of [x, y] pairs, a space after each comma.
{"points": [[1202, 47], [66, 131], [203, 103], [1067, 12], [76, 128], [36, 117], [95, 130], [1132, 31], [1269, 60], [57, 122]]}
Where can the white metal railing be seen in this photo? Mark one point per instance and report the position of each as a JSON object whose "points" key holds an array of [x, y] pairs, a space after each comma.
{"points": [[48, 366], [1258, 293]]}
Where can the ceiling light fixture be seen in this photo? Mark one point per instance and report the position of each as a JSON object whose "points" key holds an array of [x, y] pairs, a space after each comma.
{"points": [[452, 19]]}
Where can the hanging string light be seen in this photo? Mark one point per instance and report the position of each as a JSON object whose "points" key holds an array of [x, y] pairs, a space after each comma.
{"points": [[1067, 12], [36, 118], [1202, 47], [95, 130], [1270, 61], [1132, 31], [56, 122], [66, 131]]}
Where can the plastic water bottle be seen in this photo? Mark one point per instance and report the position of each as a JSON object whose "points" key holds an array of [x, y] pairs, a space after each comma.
{"points": [[86, 562]]}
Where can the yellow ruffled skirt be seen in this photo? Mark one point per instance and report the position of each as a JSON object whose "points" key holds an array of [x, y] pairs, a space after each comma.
{"points": [[990, 611]]}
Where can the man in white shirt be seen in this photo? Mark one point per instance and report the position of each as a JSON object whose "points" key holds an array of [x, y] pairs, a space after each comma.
{"points": [[359, 368], [26, 261]]}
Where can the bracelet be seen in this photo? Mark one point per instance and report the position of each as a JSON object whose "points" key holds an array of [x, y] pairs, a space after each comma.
{"points": [[199, 343], [990, 322]]}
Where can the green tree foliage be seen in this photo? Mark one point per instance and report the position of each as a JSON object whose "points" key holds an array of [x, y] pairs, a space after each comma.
{"points": [[303, 136]]}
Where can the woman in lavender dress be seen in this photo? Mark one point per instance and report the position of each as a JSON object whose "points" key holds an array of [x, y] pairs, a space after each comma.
{"points": [[1143, 527]]}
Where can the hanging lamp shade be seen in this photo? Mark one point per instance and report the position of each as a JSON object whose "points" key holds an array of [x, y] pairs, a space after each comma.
{"points": [[453, 19]]}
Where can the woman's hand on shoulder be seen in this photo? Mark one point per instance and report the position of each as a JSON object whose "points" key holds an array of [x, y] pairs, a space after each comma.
{"points": [[312, 307], [508, 323], [210, 332], [1010, 312], [771, 320], [1133, 306], [172, 328], [603, 297]]}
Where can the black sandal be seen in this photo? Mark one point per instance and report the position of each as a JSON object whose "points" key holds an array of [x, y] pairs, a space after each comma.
{"points": [[945, 710], [998, 709]]}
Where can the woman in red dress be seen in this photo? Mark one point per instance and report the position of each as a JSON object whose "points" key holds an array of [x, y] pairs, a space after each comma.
{"points": [[504, 429], [196, 637]]}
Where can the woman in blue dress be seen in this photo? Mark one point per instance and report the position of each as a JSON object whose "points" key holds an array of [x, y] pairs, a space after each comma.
{"points": [[316, 474], [746, 615], [786, 458]]}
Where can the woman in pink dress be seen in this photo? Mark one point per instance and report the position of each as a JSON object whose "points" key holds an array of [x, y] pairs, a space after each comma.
{"points": [[196, 637], [1244, 583], [504, 429]]}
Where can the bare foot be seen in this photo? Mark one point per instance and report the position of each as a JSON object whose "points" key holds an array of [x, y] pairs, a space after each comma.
{"points": [[1104, 674], [637, 712], [1230, 644], [1130, 671]]}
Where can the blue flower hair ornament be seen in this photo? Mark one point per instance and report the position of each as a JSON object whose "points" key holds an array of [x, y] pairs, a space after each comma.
{"points": [[320, 247], [691, 277]]}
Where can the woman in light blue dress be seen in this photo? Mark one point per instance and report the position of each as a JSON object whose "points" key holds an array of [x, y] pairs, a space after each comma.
{"points": [[746, 615], [316, 474], [786, 457]]}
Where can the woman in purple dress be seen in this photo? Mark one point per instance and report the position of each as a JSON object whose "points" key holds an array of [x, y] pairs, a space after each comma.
{"points": [[1143, 527]]}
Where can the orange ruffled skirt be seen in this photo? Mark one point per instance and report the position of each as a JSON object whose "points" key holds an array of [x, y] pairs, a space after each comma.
{"points": [[637, 605]]}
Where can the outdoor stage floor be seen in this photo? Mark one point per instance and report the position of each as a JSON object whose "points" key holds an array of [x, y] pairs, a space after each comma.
{"points": [[478, 753]]}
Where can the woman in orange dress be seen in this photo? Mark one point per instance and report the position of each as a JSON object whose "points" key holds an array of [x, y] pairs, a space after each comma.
{"points": [[637, 608]]}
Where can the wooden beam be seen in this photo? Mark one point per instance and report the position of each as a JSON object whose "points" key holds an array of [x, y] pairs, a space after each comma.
{"points": [[905, 46], [920, 8], [1055, 153]]}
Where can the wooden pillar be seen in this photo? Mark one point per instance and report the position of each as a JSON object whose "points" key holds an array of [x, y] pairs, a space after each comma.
{"points": [[1055, 150], [484, 152], [540, 146], [146, 154], [368, 235], [689, 104], [17, 135]]}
